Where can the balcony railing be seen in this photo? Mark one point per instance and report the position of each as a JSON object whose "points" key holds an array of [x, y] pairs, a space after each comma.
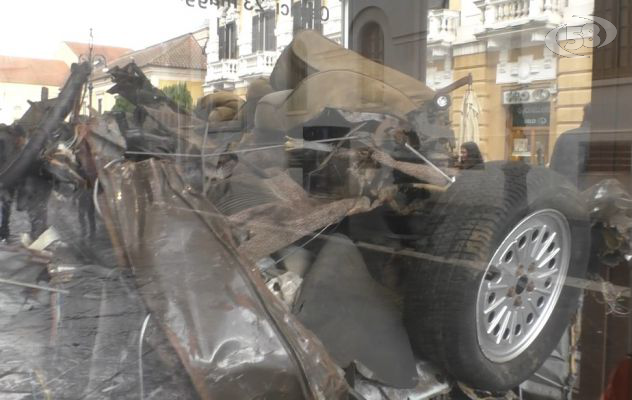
{"points": [[497, 13], [256, 64], [442, 25], [224, 70], [260, 63]]}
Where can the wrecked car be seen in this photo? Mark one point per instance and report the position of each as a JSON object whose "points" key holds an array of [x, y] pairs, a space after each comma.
{"points": [[323, 247]]}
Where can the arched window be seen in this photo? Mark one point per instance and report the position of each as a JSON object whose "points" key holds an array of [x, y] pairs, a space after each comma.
{"points": [[372, 42]]}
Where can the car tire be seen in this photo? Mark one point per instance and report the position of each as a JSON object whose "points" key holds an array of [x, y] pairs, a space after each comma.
{"points": [[465, 270]]}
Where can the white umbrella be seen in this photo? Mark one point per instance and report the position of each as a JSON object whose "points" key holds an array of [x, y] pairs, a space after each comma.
{"points": [[469, 118]]}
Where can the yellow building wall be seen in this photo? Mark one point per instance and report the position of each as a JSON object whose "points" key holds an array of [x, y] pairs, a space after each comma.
{"points": [[492, 118], [195, 87], [574, 80], [574, 86], [14, 99]]}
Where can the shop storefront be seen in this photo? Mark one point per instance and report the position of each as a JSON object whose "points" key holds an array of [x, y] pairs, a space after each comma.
{"points": [[529, 124]]}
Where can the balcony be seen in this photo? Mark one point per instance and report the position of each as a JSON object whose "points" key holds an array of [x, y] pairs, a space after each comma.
{"points": [[442, 25], [258, 64], [228, 74], [499, 14], [223, 70], [529, 19]]}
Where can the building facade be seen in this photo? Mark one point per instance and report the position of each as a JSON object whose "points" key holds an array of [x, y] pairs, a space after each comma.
{"points": [[528, 94], [388, 32], [246, 37], [27, 79], [72, 52], [177, 60]]}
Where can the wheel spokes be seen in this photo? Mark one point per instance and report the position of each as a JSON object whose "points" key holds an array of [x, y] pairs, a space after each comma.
{"points": [[546, 245], [496, 320], [522, 284]]}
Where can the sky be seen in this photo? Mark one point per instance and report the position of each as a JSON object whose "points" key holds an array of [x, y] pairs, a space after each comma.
{"points": [[35, 28]]}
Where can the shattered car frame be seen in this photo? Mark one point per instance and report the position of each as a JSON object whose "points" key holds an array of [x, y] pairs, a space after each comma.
{"points": [[229, 241]]}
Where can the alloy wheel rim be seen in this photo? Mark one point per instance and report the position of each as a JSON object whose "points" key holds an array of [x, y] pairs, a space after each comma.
{"points": [[522, 284]]}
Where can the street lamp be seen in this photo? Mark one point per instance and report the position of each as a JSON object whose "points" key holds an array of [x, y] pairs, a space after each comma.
{"points": [[94, 60]]}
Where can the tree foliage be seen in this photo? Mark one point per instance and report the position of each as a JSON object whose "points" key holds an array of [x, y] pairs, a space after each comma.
{"points": [[180, 94], [123, 105]]}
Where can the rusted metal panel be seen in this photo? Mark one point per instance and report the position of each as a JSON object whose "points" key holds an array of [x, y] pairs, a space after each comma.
{"points": [[235, 339]]}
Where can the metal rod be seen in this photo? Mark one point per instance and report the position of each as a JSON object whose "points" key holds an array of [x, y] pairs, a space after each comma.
{"points": [[90, 85], [204, 159], [31, 286], [304, 244], [276, 146], [630, 313], [95, 191], [140, 356], [430, 163]]}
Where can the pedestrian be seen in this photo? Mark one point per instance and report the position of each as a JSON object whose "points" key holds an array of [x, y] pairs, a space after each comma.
{"points": [[470, 156], [570, 154]]}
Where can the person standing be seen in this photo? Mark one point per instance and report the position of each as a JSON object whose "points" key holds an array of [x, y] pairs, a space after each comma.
{"points": [[570, 153], [470, 156]]}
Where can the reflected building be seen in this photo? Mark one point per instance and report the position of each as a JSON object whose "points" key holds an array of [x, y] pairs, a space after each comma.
{"points": [[389, 32], [245, 40], [246, 37], [609, 152], [528, 95]]}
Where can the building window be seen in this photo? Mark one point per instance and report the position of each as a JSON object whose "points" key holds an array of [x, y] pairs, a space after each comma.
{"points": [[372, 42], [615, 59], [100, 106], [228, 41], [263, 37], [438, 4], [306, 15]]}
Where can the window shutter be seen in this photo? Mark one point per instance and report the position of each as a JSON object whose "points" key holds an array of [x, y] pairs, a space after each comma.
{"points": [[262, 32], [318, 23], [296, 17], [615, 59], [256, 33], [234, 53], [308, 14], [270, 23], [221, 33]]}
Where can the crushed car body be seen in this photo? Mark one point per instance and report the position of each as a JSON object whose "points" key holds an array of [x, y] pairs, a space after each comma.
{"points": [[265, 248]]}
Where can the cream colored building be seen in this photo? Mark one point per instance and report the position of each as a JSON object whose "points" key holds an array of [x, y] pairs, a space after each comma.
{"points": [[528, 94], [22, 80], [180, 59], [72, 52], [245, 40]]}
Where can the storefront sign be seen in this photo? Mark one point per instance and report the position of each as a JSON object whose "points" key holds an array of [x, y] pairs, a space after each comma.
{"points": [[533, 114], [526, 96]]}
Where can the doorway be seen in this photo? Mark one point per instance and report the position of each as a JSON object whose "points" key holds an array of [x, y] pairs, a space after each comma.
{"points": [[372, 42], [530, 145]]}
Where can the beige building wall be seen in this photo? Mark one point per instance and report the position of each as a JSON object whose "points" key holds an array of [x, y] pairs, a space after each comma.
{"points": [[471, 45], [65, 54], [492, 120], [14, 98], [573, 86]]}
